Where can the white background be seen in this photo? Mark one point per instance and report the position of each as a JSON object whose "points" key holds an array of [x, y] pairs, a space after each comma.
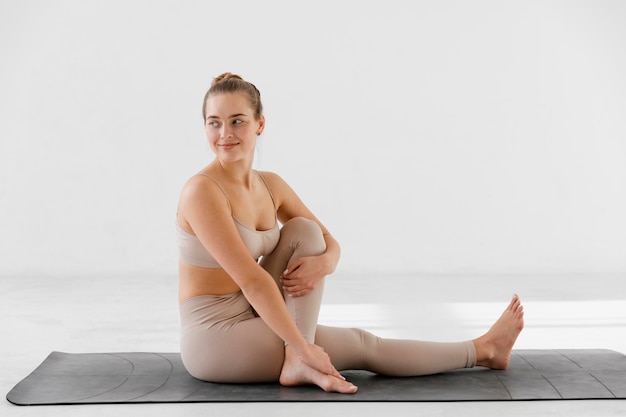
{"points": [[432, 137]]}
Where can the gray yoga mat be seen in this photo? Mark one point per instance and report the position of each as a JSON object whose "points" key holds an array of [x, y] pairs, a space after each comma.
{"points": [[96, 378]]}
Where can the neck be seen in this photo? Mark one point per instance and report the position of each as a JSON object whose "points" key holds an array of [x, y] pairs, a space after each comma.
{"points": [[238, 172]]}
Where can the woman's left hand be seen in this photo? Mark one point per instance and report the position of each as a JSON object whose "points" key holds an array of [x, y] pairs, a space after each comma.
{"points": [[304, 275]]}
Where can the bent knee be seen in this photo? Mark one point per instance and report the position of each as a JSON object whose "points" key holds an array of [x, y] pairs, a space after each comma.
{"points": [[304, 234], [302, 225]]}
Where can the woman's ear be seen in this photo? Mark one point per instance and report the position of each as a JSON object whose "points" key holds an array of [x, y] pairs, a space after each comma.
{"points": [[261, 125]]}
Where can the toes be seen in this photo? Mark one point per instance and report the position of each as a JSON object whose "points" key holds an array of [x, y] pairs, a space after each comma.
{"points": [[515, 303], [332, 384]]}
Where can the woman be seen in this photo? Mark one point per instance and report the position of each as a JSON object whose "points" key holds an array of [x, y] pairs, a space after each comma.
{"points": [[250, 290]]}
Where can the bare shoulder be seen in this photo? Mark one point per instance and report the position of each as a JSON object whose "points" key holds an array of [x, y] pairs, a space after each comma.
{"points": [[200, 193], [280, 189], [199, 186], [271, 177], [275, 181]]}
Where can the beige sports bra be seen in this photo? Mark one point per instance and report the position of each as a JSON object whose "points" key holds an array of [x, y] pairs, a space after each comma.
{"points": [[258, 242]]}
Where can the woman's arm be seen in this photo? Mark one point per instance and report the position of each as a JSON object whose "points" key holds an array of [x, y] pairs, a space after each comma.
{"points": [[206, 210], [304, 274]]}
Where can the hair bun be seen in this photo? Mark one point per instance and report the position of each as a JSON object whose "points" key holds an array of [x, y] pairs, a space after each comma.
{"points": [[233, 83], [225, 76]]}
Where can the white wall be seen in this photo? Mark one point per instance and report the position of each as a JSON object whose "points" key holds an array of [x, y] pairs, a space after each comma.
{"points": [[434, 136]]}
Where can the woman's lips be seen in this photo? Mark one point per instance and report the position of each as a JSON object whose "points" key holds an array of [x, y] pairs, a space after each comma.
{"points": [[228, 146]]}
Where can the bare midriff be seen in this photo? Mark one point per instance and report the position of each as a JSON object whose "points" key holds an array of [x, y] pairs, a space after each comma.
{"points": [[194, 281]]}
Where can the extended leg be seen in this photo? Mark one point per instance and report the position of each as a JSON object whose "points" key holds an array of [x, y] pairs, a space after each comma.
{"points": [[359, 349], [351, 348]]}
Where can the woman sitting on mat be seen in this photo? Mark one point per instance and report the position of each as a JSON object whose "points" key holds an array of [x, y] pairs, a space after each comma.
{"points": [[245, 320]]}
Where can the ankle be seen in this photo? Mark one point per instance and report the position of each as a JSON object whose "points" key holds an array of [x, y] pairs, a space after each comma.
{"points": [[484, 351]]}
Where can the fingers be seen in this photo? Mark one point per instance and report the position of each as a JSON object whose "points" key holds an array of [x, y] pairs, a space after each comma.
{"points": [[298, 293], [336, 374], [291, 283], [293, 267], [295, 286], [328, 367], [295, 290], [331, 370]]}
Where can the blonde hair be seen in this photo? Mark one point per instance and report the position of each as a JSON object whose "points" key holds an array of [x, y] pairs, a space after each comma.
{"points": [[233, 83]]}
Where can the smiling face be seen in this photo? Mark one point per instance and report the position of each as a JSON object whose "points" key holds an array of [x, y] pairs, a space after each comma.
{"points": [[231, 127]]}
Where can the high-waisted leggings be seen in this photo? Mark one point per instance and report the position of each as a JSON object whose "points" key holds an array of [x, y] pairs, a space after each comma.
{"points": [[224, 340]]}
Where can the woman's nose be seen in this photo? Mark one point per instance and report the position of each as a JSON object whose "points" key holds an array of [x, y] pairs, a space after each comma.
{"points": [[226, 132]]}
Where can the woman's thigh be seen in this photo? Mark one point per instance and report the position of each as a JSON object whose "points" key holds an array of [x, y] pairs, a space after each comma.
{"points": [[246, 352], [237, 347]]}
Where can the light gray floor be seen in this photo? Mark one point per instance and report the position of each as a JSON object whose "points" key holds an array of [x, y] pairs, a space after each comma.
{"points": [[139, 313]]}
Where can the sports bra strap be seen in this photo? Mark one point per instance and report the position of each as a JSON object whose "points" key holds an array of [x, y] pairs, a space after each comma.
{"points": [[220, 187], [268, 188]]}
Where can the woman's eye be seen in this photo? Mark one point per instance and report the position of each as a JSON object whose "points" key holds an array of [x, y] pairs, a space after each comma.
{"points": [[213, 123], [237, 121]]}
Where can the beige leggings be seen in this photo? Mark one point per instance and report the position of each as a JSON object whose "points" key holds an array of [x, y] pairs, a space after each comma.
{"points": [[223, 340]]}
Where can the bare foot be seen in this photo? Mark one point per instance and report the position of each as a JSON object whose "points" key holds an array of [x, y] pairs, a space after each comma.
{"points": [[295, 372], [493, 349]]}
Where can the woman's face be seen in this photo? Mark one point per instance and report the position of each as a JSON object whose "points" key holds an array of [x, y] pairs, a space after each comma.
{"points": [[230, 126]]}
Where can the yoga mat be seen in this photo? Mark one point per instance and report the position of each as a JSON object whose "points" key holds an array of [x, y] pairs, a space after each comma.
{"points": [[97, 378]]}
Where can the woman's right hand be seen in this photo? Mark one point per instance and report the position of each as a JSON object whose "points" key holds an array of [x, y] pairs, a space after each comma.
{"points": [[317, 358]]}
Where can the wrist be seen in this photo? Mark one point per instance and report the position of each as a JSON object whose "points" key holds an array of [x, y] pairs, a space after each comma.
{"points": [[300, 348]]}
